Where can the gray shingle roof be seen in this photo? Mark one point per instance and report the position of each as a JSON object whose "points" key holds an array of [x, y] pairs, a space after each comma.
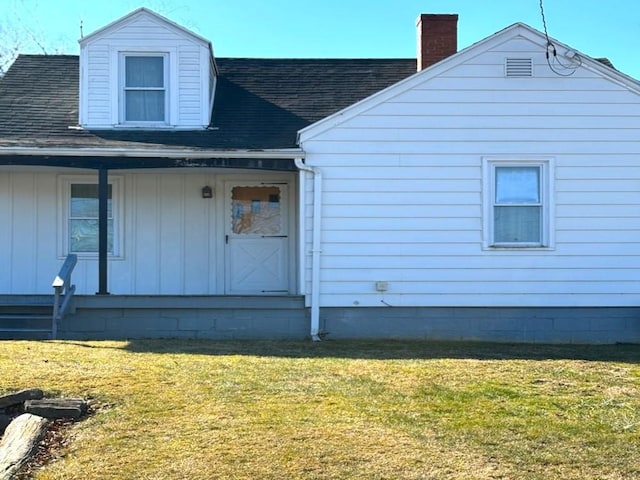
{"points": [[259, 104]]}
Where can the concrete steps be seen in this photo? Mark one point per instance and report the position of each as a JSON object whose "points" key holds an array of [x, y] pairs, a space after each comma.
{"points": [[25, 320]]}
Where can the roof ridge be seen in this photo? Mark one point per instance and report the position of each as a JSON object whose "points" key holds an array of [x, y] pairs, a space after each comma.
{"points": [[43, 55], [317, 60]]}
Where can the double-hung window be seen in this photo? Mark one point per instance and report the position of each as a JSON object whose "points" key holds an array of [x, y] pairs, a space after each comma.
{"points": [[79, 203], [144, 89], [517, 203], [83, 218]]}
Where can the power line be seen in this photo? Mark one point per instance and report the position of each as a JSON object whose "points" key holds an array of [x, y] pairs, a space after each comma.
{"points": [[554, 59]]}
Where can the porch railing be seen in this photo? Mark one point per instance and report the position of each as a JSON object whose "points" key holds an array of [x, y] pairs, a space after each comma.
{"points": [[63, 292]]}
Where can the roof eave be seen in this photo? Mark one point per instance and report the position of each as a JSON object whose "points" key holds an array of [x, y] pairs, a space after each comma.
{"points": [[283, 153]]}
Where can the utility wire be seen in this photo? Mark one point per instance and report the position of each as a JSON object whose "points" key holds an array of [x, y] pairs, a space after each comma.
{"points": [[544, 24], [550, 47]]}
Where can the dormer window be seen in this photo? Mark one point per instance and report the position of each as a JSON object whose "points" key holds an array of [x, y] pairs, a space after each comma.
{"points": [[144, 92], [146, 72]]}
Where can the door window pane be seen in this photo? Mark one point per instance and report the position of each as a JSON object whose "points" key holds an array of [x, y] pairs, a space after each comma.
{"points": [[256, 210]]}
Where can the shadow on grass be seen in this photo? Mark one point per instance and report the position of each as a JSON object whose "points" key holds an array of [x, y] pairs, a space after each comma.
{"points": [[382, 349]]}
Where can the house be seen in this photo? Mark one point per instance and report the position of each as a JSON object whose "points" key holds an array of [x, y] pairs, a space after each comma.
{"points": [[491, 193]]}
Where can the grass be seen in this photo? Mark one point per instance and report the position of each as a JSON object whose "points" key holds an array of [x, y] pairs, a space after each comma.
{"points": [[339, 410]]}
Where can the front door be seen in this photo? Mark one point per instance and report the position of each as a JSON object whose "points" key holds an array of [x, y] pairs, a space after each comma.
{"points": [[256, 238]]}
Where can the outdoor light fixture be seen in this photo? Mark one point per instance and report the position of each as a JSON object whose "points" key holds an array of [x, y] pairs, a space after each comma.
{"points": [[207, 192]]}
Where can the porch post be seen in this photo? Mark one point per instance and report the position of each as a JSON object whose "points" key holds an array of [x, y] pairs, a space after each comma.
{"points": [[103, 197]]}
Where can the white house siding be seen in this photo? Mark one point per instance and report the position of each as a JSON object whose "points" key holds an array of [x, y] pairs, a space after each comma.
{"points": [[98, 85], [171, 244], [190, 102], [188, 78], [403, 201], [27, 246]]}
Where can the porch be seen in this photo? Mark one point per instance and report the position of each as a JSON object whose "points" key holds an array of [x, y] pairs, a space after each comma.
{"points": [[99, 317]]}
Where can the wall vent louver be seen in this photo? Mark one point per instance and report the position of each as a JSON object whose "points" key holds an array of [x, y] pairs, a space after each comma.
{"points": [[518, 67]]}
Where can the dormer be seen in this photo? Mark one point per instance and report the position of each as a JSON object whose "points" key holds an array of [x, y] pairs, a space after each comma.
{"points": [[144, 71]]}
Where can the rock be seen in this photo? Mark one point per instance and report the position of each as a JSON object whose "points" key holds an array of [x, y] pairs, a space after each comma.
{"points": [[5, 420], [57, 407], [19, 397], [19, 441]]}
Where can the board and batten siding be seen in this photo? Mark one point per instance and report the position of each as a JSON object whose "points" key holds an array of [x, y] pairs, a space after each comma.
{"points": [[168, 240], [403, 202], [171, 239], [189, 70], [27, 244], [170, 245]]}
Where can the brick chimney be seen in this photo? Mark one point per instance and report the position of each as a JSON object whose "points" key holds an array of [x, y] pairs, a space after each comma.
{"points": [[437, 38]]}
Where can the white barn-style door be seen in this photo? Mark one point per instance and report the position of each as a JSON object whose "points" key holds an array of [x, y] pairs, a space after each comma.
{"points": [[256, 238]]}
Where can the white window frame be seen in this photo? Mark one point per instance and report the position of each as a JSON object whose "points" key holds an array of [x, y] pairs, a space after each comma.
{"points": [[64, 209], [546, 166], [122, 88]]}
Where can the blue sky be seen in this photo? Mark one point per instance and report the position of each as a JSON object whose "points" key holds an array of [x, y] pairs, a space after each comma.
{"points": [[332, 28]]}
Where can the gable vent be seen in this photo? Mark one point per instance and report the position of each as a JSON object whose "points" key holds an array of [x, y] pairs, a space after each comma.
{"points": [[519, 67]]}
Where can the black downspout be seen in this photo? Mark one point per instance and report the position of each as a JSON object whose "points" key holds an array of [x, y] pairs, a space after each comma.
{"points": [[103, 197]]}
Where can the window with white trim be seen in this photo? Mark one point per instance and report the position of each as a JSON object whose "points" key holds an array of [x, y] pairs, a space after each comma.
{"points": [[144, 96], [517, 203], [79, 202]]}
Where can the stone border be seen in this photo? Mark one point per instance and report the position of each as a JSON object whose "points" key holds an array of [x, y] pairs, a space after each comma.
{"points": [[19, 442], [26, 415]]}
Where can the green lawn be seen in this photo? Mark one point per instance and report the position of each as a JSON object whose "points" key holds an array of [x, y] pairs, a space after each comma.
{"points": [[339, 410]]}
